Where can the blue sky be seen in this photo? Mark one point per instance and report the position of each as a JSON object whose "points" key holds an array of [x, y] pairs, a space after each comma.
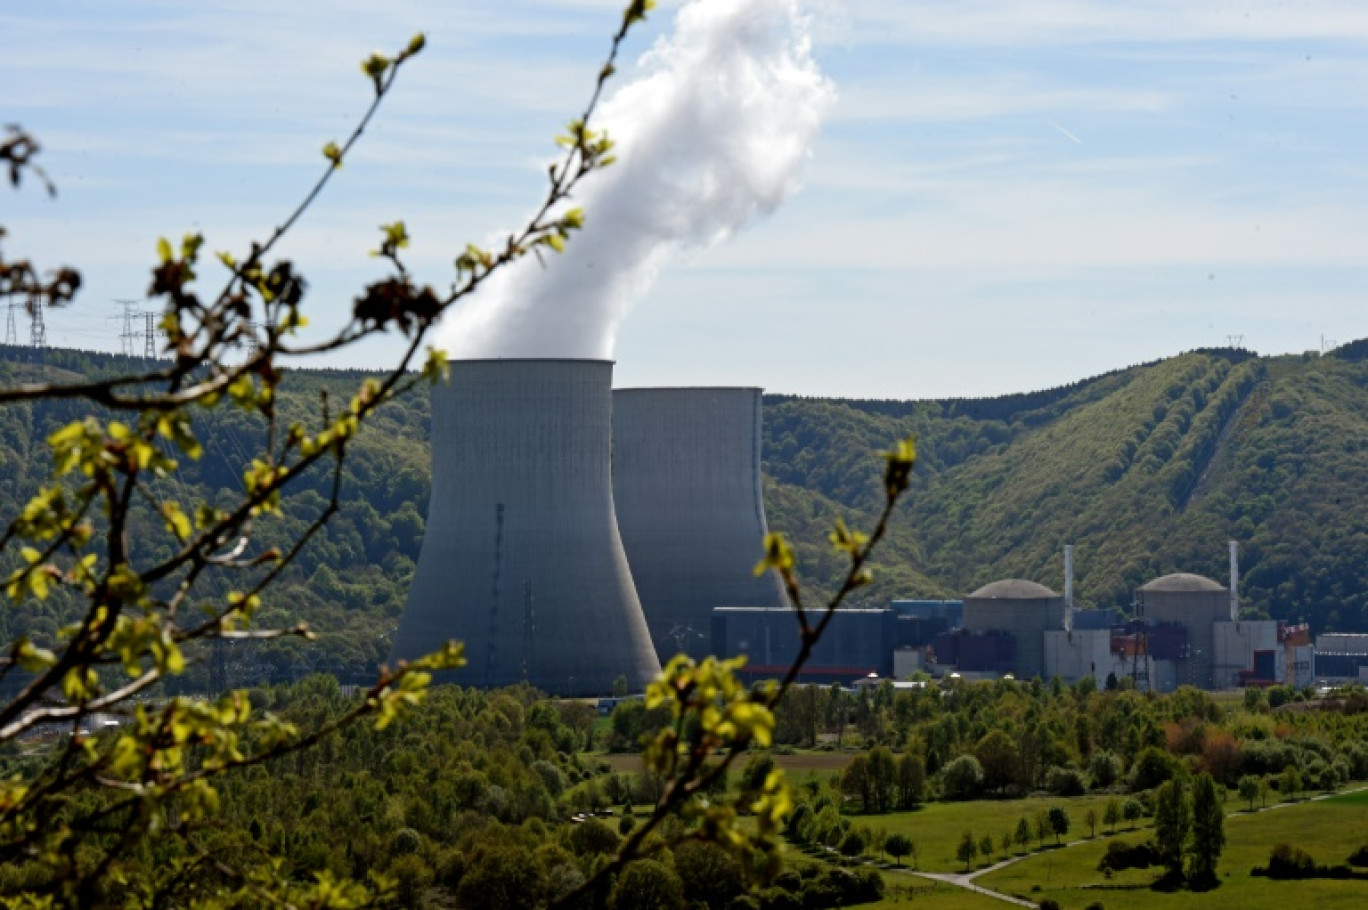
{"points": [[1005, 195]]}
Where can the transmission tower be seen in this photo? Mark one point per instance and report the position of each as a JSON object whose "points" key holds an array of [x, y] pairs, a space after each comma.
{"points": [[126, 332], [150, 335], [11, 327], [37, 328]]}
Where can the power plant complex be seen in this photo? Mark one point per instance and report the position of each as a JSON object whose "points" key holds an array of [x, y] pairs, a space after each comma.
{"points": [[579, 536]]}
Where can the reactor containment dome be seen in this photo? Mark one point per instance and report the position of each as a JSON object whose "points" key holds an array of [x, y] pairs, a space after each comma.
{"points": [[686, 479], [522, 559]]}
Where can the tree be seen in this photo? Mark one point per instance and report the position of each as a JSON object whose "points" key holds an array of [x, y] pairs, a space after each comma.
{"points": [[1248, 788], [1208, 829], [911, 781], [1133, 810], [857, 784], [1023, 833], [897, 845], [962, 778], [1059, 822], [1043, 827], [110, 535], [1090, 819], [1172, 823], [985, 846], [1111, 814], [967, 850], [883, 778], [997, 754], [646, 884], [710, 874], [1290, 783]]}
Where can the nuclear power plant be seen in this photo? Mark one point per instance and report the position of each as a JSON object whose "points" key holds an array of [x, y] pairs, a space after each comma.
{"points": [[575, 534], [522, 559], [578, 535], [686, 481]]}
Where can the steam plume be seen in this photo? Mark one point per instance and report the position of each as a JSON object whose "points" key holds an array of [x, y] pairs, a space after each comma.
{"points": [[712, 135]]}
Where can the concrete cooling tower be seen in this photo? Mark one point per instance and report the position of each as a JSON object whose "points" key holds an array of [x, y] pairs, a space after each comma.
{"points": [[522, 559], [686, 477]]}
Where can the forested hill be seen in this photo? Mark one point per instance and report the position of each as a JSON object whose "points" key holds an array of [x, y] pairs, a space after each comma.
{"points": [[1146, 470]]}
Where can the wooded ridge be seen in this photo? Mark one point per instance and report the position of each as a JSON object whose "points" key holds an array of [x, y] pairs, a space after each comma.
{"points": [[1145, 470]]}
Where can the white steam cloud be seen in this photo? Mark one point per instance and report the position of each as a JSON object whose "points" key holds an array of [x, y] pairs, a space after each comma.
{"points": [[711, 136]]}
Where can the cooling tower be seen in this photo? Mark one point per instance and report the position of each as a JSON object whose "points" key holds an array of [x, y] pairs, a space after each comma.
{"points": [[522, 559], [686, 477]]}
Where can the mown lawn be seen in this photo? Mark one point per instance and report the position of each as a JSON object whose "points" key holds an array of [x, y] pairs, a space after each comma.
{"points": [[911, 893], [1328, 829], [937, 828]]}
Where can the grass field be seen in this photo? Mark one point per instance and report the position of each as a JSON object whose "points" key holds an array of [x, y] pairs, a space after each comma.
{"points": [[938, 827], [1328, 829]]}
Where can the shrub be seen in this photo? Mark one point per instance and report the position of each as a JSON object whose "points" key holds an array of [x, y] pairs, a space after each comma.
{"points": [[1359, 857], [1121, 855], [1289, 862], [1065, 782]]}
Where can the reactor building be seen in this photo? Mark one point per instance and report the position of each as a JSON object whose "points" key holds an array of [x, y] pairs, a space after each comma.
{"points": [[687, 486], [1004, 627], [522, 558]]}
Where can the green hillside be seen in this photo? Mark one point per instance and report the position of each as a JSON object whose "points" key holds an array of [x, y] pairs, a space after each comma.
{"points": [[1146, 470]]}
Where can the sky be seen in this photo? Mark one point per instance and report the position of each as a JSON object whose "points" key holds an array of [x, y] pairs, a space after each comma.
{"points": [[996, 197]]}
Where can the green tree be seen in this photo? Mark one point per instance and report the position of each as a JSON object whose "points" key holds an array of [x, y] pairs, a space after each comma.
{"points": [[1248, 788], [911, 781], [710, 874], [1208, 829], [1290, 783], [1133, 810], [967, 850], [962, 778], [1111, 814], [856, 782], [1172, 824], [985, 846], [501, 878], [898, 845], [1023, 833], [883, 778], [1090, 819], [1059, 822], [997, 755], [647, 884]]}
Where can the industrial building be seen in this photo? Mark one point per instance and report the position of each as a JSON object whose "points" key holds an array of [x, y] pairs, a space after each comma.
{"points": [[687, 489], [1018, 609], [522, 559], [855, 643], [1341, 658], [1196, 604]]}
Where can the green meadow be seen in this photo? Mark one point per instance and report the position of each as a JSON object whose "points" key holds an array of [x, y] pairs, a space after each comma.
{"points": [[938, 827], [1328, 829]]}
